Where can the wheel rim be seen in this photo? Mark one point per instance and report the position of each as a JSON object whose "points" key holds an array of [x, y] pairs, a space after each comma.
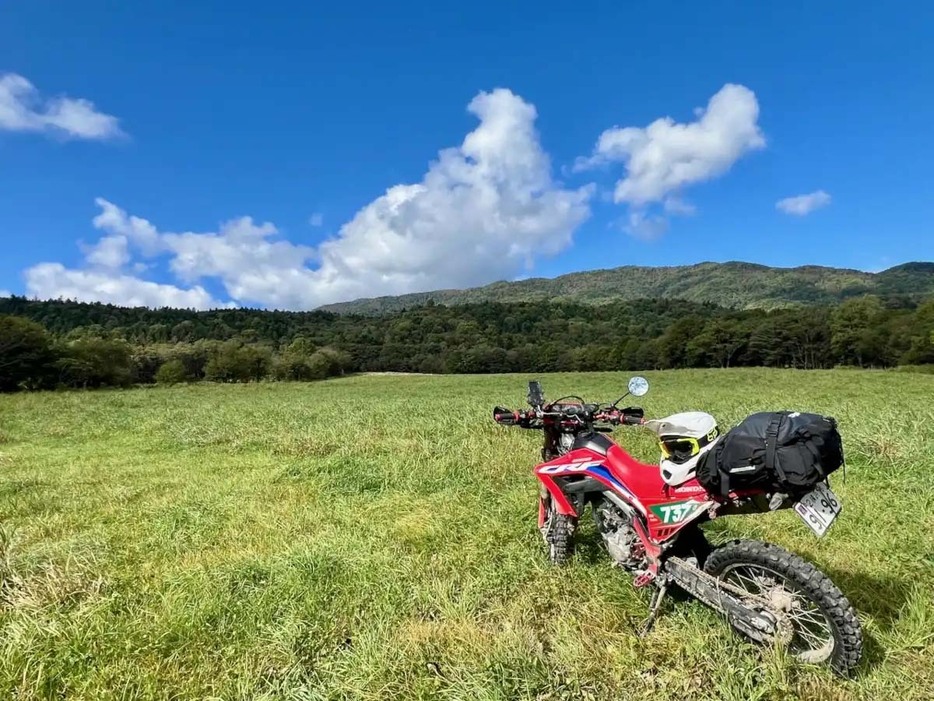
{"points": [[812, 640]]}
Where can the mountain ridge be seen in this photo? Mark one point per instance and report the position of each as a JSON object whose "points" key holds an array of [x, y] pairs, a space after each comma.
{"points": [[733, 284]]}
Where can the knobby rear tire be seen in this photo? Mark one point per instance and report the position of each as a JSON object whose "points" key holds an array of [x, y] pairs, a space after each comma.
{"points": [[810, 582]]}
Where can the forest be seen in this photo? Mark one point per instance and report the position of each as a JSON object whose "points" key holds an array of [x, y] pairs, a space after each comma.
{"points": [[48, 344]]}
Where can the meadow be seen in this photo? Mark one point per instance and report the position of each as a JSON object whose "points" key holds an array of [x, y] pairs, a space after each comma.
{"points": [[374, 537]]}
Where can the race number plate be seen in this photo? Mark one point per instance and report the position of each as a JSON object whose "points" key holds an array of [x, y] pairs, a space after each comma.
{"points": [[818, 509]]}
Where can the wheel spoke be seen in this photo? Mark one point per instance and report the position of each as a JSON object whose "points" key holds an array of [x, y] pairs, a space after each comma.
{"points": [[813, 639], [808, 617], [748, 583], [813, 636], [813, 627], [751, 584]]}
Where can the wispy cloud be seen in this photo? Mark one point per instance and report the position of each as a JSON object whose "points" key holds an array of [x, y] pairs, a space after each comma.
{"points": [[801, 205], [316, 219], [24, 109], [647, 227]]}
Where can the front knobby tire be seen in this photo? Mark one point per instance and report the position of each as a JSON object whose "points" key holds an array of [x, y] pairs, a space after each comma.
{"points": [[824, 625], [558, 532]]}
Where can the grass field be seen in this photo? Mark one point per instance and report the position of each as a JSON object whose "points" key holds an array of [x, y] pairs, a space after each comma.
{"points": [[374, 537]]}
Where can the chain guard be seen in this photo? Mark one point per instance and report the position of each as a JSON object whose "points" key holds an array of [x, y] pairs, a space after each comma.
{"points": [[754, 621]]}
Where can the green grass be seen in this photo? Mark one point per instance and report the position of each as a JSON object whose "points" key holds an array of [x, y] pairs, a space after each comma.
{"points": [[374, 537]]}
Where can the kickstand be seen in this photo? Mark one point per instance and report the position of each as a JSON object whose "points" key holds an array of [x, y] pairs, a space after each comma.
{"points": [[657, 599]]}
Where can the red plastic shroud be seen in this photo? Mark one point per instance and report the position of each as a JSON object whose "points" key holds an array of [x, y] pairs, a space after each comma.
{"points": [[639, 484]]}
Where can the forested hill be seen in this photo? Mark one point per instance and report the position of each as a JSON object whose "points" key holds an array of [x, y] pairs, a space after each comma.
{"points": [[467, 338], [45, 344], [732, 285]]}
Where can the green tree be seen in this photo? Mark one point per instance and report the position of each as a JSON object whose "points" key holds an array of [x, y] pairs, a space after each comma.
{"points": [[294, 363], [232, 361], [717, 344], [672, 346], [856, 334], [95, 362], [334, 361], [171, 372], [25, 354], [921, 336], [183, 331], [146, 362]]}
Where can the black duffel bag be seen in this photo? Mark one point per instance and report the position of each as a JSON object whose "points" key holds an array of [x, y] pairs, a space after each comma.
{"points": [[781, 451]]}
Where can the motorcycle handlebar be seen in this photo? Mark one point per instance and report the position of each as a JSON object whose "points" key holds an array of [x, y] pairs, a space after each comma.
{"points": [[631, 416]]}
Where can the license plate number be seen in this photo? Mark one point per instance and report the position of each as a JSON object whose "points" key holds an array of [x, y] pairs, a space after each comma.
{"points": [[818, 509]]}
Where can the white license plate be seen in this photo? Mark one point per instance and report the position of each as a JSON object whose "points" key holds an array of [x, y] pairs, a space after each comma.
{"points": [[818, 509]]}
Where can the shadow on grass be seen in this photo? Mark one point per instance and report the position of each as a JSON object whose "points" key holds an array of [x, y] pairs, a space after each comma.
{"points": [[589, 549], [588, 545], [882, 598]]}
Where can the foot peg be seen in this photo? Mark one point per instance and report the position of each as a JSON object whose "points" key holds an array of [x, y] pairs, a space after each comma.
{"points": [[643, 579]]}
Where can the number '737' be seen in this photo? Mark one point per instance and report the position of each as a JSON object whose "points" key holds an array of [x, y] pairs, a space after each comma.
{"points": [[674, 513]]}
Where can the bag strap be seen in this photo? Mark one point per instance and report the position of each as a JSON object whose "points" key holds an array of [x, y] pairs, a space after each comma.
{"points": [[718, 464], [833, 423], [810, 445], [771, 446]]}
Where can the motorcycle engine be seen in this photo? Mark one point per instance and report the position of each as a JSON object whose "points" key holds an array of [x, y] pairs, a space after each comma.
{"points": [[621, 540]]}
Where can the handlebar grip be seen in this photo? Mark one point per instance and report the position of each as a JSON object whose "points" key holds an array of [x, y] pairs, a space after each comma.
{"points": [[633, 415], [505, 417]]}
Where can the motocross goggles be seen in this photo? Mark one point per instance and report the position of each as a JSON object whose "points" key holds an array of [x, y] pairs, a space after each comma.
{"points": [[680, 449]]}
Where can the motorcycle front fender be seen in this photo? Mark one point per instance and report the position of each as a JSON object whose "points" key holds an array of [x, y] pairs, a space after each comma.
{"points": [[552, 493]]}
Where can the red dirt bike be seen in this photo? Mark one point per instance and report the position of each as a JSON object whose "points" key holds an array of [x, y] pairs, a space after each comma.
{"points": [[652, 529]]}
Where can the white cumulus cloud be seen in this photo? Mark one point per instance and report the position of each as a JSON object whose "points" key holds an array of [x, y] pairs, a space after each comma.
{"points": [[109, 252], [53, 281], [483, 211], [803, 204], [664, 158], [117, 223], [23, 108]]}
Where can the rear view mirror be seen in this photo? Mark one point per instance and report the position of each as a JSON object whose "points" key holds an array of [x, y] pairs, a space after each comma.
{"points": [[536, 397], [638, 386]]}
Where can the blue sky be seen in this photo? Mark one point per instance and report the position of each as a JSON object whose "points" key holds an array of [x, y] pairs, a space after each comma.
{"points": [[293, 154]]}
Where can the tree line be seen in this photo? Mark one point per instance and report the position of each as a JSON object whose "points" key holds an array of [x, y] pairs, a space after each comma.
{"points": [[59, 343]]}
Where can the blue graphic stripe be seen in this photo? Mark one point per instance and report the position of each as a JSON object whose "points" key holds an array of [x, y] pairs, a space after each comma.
{"points": [[602, 471], [605, 474]]}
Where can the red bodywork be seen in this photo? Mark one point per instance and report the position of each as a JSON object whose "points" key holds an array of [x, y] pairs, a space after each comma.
{"points": [[638, 484]]}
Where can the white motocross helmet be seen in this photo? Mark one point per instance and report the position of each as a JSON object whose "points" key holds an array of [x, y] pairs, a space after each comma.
{"points": [[684, 438]]}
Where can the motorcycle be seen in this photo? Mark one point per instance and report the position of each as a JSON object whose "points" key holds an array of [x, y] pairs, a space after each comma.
{"points": [[652, 529]]}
